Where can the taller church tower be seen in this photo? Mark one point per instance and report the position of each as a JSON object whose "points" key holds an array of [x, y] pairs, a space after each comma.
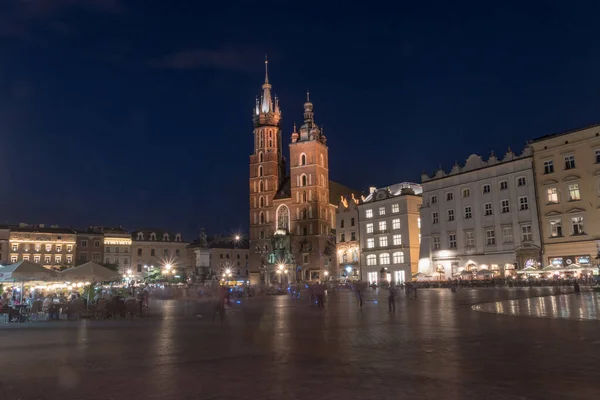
{"points": [[267, 171]]}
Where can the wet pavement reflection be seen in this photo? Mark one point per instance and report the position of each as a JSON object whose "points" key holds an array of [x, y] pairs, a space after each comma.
{"points": [[280, 348], [581, 306]]}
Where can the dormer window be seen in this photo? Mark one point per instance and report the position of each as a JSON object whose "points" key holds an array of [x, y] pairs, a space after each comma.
{"points": [[140, 236], [153, 236], [166, 237]]}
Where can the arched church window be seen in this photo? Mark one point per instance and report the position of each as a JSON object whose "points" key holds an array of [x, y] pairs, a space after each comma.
{"points": [[270, 134], [345, 257], [261, 186], [260, 170], [322, 161], [270, 142], [304, 199], [302, 159], [260, 157], [261, 137], [283, 217], [261, 202], [262, 217], [322, 180], [303, 180], [304, 213]]}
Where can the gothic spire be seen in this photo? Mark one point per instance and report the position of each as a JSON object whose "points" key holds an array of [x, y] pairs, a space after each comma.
{"points": [[267, 103]]}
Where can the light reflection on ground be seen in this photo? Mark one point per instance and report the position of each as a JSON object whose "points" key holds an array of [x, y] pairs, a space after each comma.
{"points": [[583, 306]]}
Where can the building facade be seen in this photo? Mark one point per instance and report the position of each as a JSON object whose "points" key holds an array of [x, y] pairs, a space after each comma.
{"points": [[90, 246], [229, 260], [481, 216], [157, 249], [4, 247], [390, 226], [291, 216], [52, 247], [117, 248], [567, 172], [348, 239]]}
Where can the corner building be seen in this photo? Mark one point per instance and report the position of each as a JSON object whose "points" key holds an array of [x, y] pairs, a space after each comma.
{"points": [[291, 217]]}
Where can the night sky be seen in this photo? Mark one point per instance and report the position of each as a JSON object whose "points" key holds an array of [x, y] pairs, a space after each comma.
{"points": [[140, 112]]}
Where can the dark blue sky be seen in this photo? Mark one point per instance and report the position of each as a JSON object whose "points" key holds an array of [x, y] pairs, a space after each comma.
{"points": [[139, 112]]}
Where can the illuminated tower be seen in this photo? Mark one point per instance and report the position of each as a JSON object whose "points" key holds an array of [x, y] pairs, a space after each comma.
{"points": [[267, 171]]}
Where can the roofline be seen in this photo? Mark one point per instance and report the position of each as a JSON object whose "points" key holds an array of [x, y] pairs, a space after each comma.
{"points": [[477, 169], [553, 135]]}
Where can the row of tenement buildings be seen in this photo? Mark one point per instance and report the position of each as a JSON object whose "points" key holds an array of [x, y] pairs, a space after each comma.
{"points": [[527, 210], [135, 253]]}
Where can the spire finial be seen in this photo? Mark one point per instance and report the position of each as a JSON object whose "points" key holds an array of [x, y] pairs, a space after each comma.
{"points": [[307, 96], [266, 70], [294, 126]]}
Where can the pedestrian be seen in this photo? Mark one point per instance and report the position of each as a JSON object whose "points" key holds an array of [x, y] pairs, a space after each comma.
{"points": [[408, 290], [359, 300], [392, 298], [219, 305], [415, 291], [320, 292]]}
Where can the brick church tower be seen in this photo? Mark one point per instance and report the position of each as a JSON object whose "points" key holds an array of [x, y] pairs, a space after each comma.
{"points": [[291, 216], [267, 171]]}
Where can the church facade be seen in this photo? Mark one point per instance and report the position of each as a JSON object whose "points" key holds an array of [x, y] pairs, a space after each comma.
{"points": [[292, 215]]}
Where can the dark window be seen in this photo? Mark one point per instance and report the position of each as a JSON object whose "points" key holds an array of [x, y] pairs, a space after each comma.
{"points": [[351, 221], [342, 224], [152, 252], [139, 252], [139, 268]]}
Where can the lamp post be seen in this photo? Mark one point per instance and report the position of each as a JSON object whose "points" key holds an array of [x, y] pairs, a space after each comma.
{"points": [[326, 273]]}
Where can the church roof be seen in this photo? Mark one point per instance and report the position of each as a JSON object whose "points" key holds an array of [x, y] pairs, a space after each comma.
{"points": [[336, 190], [284, 191]]}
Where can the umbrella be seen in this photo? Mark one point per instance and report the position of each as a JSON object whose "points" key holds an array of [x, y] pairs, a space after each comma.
{"points": [[550, 268], [89, 272], [484, 272], [25, 271]]}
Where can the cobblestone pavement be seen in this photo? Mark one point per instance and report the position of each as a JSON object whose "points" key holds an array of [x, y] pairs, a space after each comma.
{"points": [[435, 347]]}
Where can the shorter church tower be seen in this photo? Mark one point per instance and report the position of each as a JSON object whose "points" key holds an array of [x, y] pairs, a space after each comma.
{"points": [[309, 186]]}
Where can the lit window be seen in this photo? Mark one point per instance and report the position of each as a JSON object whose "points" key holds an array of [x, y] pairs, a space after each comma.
{"points": [[452, 240], [381, 210], [469, 239], [552, 195], [384, 258], [450, 215], [436, 242], [574, 192], [490, 236], [507, 234], [487, 188], [395, 208], [70, 247], [526, 233], [369, 213], [503, 185], [449, 196], [435, 218], [370, 243], [58, 247], [505, 206], [419, 238], [569, 162], [13, 259], [523, 203], [521, 181], [487, 209], [397, 240], [371, 259], [382, 226], [15, 247], [398, 257], [69, 259], [36, 259], [577, 224], [466, 192], [46, 259], [419, 223], [548, 167], [433, 199], [58, 259], [369, 228], [26, 257], [468, 213], [383, 242], [48, 247], [555, 228], [396, 223]]}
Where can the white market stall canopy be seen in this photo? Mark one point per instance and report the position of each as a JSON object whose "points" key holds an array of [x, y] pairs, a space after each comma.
{"points": [[24, 271], [89, 272]]}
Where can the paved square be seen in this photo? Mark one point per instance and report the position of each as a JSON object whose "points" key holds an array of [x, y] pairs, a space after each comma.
{"points": [[435, 347]]}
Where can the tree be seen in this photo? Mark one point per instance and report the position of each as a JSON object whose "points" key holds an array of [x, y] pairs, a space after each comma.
{"points": [[111, 266]]}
